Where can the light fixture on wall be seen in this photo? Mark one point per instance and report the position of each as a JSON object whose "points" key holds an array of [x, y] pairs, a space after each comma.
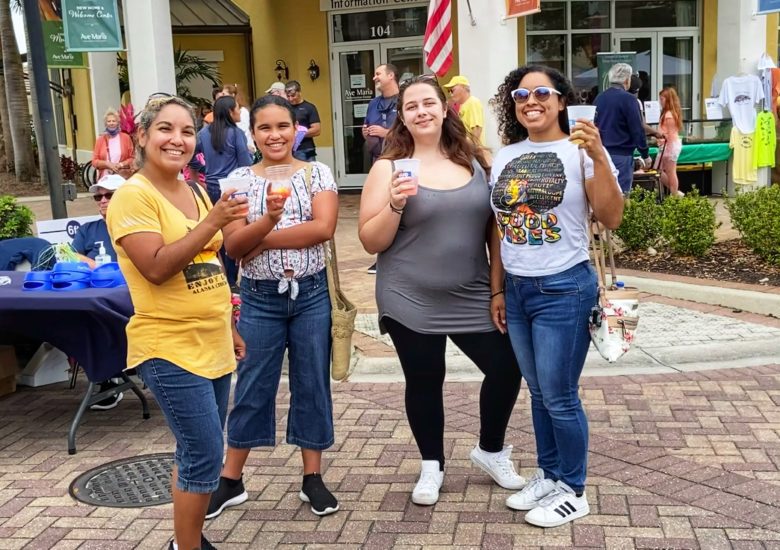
{"points": [[314, 70], [282, 70]]}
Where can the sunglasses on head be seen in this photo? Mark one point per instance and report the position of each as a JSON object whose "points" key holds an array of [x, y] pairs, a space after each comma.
{"points": [[99, 196], [541, 94]]}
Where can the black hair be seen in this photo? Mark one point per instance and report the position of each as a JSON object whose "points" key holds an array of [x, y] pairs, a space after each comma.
{"points": [[293, 85], [214, 91], [223, 121], [267, 101], [504, 106]]}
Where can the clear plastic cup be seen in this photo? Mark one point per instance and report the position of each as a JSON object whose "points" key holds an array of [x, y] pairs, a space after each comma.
{"points": [[575, 112], [241, 186], [409, 168], [279, 175]]}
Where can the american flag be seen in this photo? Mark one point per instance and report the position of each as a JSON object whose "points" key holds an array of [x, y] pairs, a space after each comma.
{"points": [[438, 37]]}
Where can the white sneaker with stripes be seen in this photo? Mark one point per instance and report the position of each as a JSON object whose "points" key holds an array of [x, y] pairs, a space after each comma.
{"points": [[560, 506]]}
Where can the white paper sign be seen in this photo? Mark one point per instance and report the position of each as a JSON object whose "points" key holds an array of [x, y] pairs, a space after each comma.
{"points": [[714, 108], [357, 81], [652, 112], [359, 110]]}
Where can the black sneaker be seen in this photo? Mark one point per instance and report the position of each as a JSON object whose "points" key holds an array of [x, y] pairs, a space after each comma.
{"points": [[315, 493], [230, 492], [372, 269], [109, 402], [204, 544]]}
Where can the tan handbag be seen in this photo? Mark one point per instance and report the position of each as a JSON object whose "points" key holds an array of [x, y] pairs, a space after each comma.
{"points": [[342, 312]]}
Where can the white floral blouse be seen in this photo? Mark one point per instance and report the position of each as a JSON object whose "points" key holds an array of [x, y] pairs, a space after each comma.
{"points": [[271, 264]]}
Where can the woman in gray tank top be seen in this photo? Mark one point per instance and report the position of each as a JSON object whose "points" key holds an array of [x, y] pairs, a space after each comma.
{"points": [[434, 278]]}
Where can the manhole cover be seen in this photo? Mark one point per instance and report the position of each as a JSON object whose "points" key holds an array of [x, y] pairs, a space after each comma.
{"points": [[127, 483]]}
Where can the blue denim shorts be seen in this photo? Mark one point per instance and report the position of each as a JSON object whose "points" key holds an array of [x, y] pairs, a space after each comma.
{"points": [[195, 409], [270, 322]]}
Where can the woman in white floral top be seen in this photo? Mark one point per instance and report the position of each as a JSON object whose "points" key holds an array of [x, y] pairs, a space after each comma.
{"points": [[285, 304]]}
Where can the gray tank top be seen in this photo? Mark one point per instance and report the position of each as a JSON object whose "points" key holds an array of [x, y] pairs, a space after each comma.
{"points": [[435, 277]]}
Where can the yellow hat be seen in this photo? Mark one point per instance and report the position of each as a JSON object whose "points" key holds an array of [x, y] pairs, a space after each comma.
{"points": [[462, 80]]}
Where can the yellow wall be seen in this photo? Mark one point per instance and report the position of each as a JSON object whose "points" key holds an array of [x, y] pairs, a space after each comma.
{"points": [[709, 46], [233, 69], [772, 21], [82, 101]]}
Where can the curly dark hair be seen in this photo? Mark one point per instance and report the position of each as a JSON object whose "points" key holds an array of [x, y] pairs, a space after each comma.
{"points": [[456, 142], [504, 106]]}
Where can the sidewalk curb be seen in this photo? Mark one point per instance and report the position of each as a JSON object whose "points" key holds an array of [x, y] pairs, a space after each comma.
{"points": [[762, 303]]}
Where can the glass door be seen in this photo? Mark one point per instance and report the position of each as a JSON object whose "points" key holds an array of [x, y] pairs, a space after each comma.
{"points": [[408, 58], [644, 45], [678, 67], [352, 74]]}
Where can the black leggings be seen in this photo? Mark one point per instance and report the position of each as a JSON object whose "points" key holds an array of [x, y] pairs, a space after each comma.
{"points": [[422, 360]]}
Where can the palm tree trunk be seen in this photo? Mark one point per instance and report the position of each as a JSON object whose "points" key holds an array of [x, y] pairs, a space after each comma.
{"points": [[7, 155], [16, 96], [36, 114]]}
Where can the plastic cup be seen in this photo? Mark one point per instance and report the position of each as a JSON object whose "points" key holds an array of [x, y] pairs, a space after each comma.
{"points": [[409, 168], [580, 111], [279, 176], [241, 186]]}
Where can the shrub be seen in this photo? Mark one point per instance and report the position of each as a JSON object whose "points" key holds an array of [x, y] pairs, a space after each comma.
{"points": [[641, 225], [15, 219], [756, 215], [68, 167], [689, 224]]}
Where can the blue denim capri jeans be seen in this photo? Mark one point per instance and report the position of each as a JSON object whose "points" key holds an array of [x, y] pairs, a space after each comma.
{"points": [[195, 409], [270, 322]]}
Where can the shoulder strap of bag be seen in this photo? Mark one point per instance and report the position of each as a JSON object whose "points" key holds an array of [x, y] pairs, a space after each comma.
{"points": [[198, 191], [331, 262], [597, 241]]}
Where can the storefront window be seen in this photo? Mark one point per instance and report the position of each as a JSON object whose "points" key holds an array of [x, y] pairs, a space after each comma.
{"points": [[551, 18], [549, 50], [590, 15], [584, 73], [655, 13], [382, 24]]}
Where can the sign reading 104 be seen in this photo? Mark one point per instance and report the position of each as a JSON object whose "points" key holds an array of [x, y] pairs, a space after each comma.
{"points": [[380, 31]]}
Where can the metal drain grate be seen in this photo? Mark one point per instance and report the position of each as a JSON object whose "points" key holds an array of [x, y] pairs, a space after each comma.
{"points": [[127, 483]]}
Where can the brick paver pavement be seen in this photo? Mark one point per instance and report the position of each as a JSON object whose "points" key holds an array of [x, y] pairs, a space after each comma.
{"points": [[677, 461]]}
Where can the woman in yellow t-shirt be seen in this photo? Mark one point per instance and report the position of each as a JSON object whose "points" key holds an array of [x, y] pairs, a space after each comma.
{"points": [[180, 338]]}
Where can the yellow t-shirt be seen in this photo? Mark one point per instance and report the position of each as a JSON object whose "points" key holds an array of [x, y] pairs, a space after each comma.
{"points": [[473, 116], [185, 320], [744, 171]]}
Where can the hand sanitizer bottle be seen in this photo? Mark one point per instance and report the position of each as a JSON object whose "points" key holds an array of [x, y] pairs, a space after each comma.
{"points": [[102, 257]]}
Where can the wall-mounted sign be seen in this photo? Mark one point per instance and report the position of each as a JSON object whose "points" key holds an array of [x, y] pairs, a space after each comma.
{"points": [[768, 6], [521, 8], [54, 38], [341, 5], [92, 25]]}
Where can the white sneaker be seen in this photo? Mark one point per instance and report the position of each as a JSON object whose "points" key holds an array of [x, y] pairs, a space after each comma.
{"points": [[499, 466], [535, 490], [426, 492], [559, 507]]}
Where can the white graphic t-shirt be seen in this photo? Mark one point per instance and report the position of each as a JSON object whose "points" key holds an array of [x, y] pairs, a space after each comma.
{"points": [[538, 196], [740, 94]]}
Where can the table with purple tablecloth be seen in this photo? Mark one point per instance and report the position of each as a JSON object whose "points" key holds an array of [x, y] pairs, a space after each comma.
{"points": [[88, 325]]}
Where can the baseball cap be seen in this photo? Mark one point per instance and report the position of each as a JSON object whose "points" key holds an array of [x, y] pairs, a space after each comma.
{"points": [[462, 80], [109, 182], [275, 86]]}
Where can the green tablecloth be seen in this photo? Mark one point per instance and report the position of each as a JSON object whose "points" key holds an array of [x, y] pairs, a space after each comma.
{"points": [[698, 153]]}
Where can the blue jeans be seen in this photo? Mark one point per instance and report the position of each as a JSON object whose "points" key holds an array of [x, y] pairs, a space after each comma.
{"points": [[625, 166], [195, 409], [547, 321], [270, 322]]}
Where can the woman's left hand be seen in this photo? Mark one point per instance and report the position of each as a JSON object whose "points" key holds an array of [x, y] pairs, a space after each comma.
{"points": [[498, 312], [239, 347], [588, 137]]}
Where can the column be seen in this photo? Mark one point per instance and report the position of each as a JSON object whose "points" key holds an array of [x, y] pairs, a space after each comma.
{"points": [[487, 51], [741, 37], [149, 49], [104, 86]]}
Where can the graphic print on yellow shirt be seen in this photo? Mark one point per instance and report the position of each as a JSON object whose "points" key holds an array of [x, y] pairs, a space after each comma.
{"points": [[526, 191]]}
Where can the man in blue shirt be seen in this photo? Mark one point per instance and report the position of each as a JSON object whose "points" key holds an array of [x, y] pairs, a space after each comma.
{"points": [[620, 124], [87, 245], [382, 110]]}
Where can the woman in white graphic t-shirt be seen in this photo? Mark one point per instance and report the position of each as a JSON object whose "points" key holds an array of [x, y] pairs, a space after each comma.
{"points": [[544, 184]]}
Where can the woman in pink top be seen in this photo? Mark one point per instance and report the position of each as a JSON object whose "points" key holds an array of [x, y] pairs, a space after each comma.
{"points": [[670, 125]]}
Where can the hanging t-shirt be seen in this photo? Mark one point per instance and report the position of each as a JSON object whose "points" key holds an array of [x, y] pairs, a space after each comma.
{"points": [[186, 319], [744, 172], [740, 94], [764, 141], [538, 196]]}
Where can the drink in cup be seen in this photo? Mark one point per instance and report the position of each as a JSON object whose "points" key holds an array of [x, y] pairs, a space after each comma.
{"points": [[279, 176], [587, 112], [409, 168]]}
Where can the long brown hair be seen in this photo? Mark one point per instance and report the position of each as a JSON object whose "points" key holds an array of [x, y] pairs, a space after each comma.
{"points": [[456, 142], [672, 105]]}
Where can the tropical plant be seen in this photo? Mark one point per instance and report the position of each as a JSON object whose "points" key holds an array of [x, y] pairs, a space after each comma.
{"points": [[188, 67], [15, 219], [16, 97]]}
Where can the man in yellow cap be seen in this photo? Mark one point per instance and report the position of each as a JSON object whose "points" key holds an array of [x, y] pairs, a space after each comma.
{"points": [[470, 108]]}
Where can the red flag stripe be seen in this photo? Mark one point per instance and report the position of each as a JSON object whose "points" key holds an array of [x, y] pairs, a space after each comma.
{"points": [[438, 37]]}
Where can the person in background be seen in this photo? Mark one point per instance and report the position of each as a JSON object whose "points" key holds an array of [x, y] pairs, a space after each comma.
{"points": [[277, 89], [544, 187], [469, 107], [670, 126], [181, 339], [633, 89], [434, 278], [620, 125], [114, 150], [243, 121], [216, 93], [224, 148], [306, 115], [284, 304], [381, 114]]}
